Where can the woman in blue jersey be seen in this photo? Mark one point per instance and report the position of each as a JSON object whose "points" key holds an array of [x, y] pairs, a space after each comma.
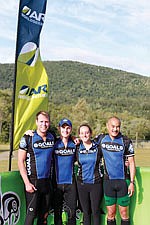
{"points": [[89, 176], [65, 191]]}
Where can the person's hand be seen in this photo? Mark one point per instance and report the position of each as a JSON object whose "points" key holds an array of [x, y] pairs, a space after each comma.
{"points": [[131, 189], [76, 140], [29, 132], [127, 163], [30, 188]]}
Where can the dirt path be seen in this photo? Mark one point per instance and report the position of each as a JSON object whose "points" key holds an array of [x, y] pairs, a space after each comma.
{"points": [[5, 155]]}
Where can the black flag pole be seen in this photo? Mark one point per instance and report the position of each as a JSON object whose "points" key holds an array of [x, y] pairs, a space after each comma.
{"points": [[13, 103]]}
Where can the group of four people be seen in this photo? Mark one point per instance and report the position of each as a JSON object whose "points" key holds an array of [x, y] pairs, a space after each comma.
{"points": [[103, 166]]}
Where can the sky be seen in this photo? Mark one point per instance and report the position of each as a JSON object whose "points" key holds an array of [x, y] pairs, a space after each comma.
{"points": [[108, 33]]}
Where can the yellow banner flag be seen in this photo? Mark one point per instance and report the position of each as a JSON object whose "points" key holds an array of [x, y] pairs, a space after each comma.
{"points": [[31, 86]]}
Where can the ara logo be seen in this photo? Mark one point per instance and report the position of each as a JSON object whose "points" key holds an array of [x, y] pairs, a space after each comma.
{"points": [[26, 90], [33, 16]]}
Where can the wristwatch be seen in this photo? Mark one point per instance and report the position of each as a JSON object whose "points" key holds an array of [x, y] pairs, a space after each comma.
{"points": [[132, 182]]}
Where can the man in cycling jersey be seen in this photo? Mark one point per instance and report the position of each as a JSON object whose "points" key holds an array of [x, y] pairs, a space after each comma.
{"points": [[36, 152], [118, 178]]}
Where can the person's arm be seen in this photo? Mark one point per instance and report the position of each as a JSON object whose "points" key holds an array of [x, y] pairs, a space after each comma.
{"points": [[132, 175], [21, 165], [76, 140], [29, 132], [99, 138]]}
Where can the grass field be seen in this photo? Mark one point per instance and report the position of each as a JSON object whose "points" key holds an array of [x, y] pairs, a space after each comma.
{"points": [[142, 157]]}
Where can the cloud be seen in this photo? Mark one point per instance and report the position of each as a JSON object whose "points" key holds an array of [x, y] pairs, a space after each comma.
{"points": [[8, 22], [103, 32], [7, 54]]}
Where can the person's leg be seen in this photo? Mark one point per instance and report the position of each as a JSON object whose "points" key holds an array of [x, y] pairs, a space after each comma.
{"points": [[124, 215], [111, 212], [70, 198], [96, 194], [44, 189], [111, 222], [44, 203], [42, 219], [125, 222], [84, 197], [123, 202], [31, 203], [124, 212], [110, 200], [58, 204]]}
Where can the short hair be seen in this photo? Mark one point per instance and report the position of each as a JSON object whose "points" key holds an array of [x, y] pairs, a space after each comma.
{"points": [[44, 113], [114, 117], [86, 125]]}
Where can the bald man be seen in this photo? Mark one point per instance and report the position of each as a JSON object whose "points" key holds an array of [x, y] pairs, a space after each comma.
{"points": [[118, 178]]}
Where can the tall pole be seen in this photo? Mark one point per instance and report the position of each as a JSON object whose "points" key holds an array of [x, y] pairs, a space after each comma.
{"points": [[13, 105]]}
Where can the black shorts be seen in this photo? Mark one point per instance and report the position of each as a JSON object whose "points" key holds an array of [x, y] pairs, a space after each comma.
{"points": [[39, 201], [116, 192]]}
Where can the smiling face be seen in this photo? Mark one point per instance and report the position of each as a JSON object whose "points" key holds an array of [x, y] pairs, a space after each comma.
{"points": [[65, 130], [113, 127], [42, 123], [85, 134]]}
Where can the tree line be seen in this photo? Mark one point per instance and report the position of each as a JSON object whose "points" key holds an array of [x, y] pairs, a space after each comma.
{"points": [[85, 92]]}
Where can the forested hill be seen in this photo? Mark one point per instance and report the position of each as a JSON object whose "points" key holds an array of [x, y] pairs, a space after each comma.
{"points": [[103, 88]]}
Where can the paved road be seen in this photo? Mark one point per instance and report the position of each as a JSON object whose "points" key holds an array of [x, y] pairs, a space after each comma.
{"points": [[5, 155]]}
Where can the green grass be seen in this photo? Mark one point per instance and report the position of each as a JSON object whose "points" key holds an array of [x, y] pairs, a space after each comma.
{"points": [[4, 165], [4, 147], [4, 159], [142, 157]]}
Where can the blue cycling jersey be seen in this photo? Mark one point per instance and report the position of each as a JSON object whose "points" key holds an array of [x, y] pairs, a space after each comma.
{"points": [[115, 154], [89, 164], [39, 154], [64, 161]]}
